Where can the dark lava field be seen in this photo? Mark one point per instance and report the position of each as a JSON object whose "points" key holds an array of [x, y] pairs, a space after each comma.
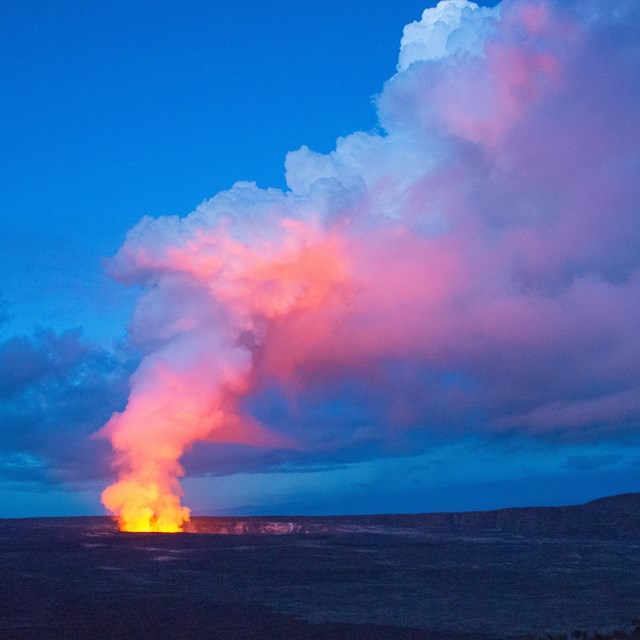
{"points": [[377, 577]]}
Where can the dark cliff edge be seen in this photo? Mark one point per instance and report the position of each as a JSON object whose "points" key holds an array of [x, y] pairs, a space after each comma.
{"points": [[615, 517]]}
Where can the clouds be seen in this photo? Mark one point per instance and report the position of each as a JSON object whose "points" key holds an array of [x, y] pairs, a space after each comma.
{"points": [[451, 27], [471, 267], [55, 390]]}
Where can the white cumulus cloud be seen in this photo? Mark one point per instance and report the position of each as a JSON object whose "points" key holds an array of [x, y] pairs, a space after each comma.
{"points": [[452, 26]]}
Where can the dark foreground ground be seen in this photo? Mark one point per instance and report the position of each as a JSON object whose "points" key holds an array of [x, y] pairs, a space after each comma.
{"points": [[78, 578]]}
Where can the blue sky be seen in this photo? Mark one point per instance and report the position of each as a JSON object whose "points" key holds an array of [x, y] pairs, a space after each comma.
{"points": [[113, 110]]}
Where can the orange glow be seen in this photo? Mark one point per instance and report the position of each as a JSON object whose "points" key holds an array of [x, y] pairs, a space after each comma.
{"points": [[145, 507]]}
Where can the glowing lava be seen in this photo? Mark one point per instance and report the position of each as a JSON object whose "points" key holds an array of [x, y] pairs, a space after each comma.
{"points": [[145, 508]]}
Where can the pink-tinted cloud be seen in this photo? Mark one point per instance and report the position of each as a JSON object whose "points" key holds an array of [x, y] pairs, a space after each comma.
{"points": [[475, 266]]}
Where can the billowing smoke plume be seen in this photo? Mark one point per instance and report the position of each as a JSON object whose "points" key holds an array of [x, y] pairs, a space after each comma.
{"points": [[487, 238]]}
